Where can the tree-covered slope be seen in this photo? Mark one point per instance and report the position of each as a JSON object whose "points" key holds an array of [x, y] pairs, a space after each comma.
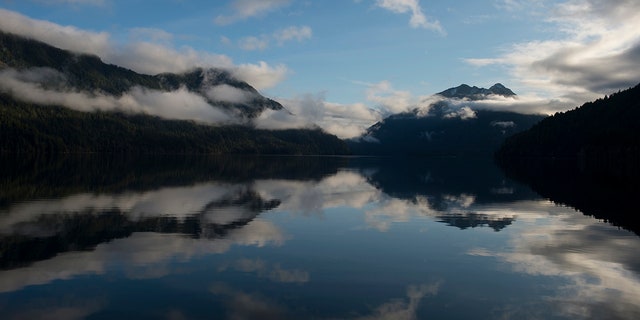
{"points": [[409, 134], [605, 128], [446, 127], [30, 128], [87, 73]]}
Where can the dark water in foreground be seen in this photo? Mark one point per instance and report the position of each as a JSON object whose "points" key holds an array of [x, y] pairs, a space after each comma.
{"points": [[298, 238]]}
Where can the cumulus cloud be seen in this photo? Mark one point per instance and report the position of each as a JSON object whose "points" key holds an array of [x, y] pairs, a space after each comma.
{"points": [[181, 104], [244, 9], [418, 18], [595, 53], [155, 54]]}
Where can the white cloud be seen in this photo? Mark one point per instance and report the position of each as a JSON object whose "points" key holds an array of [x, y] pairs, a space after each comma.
{"points": [[595, 52], [345, 121], [227, 93], [252, 43], [141, 56], [418, 18], [141, 254], [180, 104], [293, 33], [388, 99], [261, 75], [66, 37], [464, 113], [244, 9], [596, 262], [401, 309]]}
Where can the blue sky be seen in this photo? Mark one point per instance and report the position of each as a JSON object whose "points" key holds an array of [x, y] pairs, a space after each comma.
{"points": [[360, 58]]}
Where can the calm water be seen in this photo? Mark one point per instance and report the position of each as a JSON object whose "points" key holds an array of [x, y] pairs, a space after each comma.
{"points": [[321, 238]]}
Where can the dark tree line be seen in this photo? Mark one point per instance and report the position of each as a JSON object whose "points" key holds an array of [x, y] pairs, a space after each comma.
{"points": [[29, 128], [600, 135]]}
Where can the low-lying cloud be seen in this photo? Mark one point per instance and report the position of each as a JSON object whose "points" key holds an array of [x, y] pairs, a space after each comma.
{"points": [[343, 120], [227, 93], [181, 104]]}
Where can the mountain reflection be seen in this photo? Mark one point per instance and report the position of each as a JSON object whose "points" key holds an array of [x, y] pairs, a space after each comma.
{"points": [[280, 236], [38, 230], [473, 220], [211, 198], [594, 190]]}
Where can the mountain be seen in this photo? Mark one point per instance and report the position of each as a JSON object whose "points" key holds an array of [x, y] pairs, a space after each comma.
{"points": [[602, 135], [464, 91], [30, 68], [88, 73], [445, 129]]}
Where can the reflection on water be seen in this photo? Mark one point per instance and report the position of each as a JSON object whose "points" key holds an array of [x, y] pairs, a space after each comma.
{"points": [[301, 237]]}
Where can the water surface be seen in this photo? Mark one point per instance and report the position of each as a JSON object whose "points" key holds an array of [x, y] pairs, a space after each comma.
{"points": [[301, 237]]}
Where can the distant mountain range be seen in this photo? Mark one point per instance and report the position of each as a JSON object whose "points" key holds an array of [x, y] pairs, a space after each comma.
{"points": [[464, 91], [445, 129], [129, 108]]}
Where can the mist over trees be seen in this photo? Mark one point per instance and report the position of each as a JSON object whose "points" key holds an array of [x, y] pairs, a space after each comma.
{"points": [[56, 101]]}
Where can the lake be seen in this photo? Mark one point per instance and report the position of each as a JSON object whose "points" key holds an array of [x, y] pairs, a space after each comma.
{"points": [[304, 238]]}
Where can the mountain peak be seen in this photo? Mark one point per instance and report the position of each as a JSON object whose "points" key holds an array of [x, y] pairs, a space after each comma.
{"points": [[499, 89], [464, 91]]}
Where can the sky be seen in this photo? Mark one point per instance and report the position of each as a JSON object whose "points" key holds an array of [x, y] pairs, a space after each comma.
{"points": [[346, 64]]}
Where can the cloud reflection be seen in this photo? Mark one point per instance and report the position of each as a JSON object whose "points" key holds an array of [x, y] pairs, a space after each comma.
{"points": [[402, 309], [598, 261], [144, 255]]}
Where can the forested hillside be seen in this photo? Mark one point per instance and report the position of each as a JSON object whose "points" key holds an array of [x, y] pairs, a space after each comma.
{"points": [[29, 128], [605, 132], [43, 126]]}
